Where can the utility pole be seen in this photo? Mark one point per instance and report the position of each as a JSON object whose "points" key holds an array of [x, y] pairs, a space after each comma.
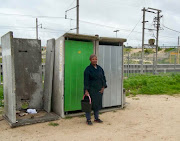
{"points": [[116, 32], [143, 31], [157, 35], [178, 51], [77, 31], [143, 37], [77, 16], [37, 28], [157, 39]]}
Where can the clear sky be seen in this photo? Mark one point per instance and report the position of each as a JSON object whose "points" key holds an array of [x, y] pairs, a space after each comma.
{"points": [[96, 17]]}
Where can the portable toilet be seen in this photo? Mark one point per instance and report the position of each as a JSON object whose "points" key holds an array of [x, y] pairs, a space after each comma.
{"points": [[72, 53], [110, 58]]}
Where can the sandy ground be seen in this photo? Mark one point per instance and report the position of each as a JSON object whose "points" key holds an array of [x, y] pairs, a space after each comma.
{"points": [[146, 118]]}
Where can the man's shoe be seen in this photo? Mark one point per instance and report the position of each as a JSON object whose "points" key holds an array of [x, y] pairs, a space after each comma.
{"points": [[89, 122], [98, 121]]}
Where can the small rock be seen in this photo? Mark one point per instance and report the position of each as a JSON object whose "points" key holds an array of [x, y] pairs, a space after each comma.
{"points": [[23, 114]]}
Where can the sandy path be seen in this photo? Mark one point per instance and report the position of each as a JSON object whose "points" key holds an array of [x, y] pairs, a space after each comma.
{"points": [[146, 118]]}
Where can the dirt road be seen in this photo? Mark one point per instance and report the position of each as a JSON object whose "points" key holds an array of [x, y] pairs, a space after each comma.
{"points": [[146, 118]]}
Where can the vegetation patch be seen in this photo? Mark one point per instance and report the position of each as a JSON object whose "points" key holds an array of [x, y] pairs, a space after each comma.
{"points": [[148, 51], [53, 124], [127, 50], [68, 117], [168, 49], [153, 84]]}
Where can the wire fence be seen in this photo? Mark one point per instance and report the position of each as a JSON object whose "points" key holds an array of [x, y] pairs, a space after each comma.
{"points": [[133, 65], [165, 63]]}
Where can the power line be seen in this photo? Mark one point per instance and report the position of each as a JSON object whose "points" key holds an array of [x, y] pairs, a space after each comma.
{"points": [[97, 24], [46, 28], [46, 31], [15, 27], [22, 28], [134, 28], [7, 27], [107, 26], [70, 4], [171, 29], [32, 16]]}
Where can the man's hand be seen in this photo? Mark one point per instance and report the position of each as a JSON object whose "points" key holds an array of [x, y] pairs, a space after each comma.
{"points": [[102, 90], [86, 93]]}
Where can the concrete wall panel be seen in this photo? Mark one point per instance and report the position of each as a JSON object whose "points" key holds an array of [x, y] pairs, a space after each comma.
{"points": [[28, 78], [8, 77], [58, 81], [49, 70]]}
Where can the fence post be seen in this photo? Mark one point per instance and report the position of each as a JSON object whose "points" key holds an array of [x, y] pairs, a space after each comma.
{"points": [[175, 63], [164, 71], [0, 74], [128, 64], [153, 64]]}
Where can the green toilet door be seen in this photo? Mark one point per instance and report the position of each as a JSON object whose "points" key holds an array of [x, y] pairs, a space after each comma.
{"points": [[76, 60]]}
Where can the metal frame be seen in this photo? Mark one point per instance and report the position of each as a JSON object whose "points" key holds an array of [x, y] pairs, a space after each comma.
{"points": [[123, 95]]}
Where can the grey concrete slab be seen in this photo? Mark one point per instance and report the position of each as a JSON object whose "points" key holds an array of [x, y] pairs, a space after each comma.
{"points": [[28, 68], [47, 117], [58, 79], [9, 77], [49, 70]]}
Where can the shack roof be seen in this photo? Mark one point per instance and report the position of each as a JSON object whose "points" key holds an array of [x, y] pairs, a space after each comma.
{"points": [[93, 38], [112, 40], [80, 36]]}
